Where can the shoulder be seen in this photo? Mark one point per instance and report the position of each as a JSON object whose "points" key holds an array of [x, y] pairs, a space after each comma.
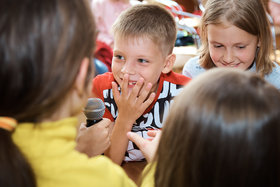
{"points": [[109, 173], [104, 78], [104, 164], [192, 68], [175, 78], [102, 81], [96, 171], [275, 70], [277, 66], [149, 175], [274, 76], [59, 156], [194, 61]]}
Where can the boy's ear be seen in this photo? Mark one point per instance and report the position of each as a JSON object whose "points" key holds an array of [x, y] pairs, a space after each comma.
{"points": [[169, 62], [81, 77]]}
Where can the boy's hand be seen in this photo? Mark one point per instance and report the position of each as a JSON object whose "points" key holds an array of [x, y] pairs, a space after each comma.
{"points": [[148, 147], [94, 140], [132, 103]]}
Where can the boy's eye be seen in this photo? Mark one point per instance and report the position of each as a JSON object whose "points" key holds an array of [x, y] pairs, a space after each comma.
{"points": [[142, 60], [119, 57]]}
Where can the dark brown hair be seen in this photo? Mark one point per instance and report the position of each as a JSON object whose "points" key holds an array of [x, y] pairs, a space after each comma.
{"points": [[223, 130], [42, 45]]}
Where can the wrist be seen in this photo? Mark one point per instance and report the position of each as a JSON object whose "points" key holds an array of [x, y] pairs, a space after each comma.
{"points": [[124, 124]]}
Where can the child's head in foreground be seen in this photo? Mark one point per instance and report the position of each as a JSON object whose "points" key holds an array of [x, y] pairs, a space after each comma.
{"points": [[44, 55], [144, 38], [44, 45], [223, 130], [236, 33]]}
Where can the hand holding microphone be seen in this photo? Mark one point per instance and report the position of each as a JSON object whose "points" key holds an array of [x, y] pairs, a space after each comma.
{"points": [[95, 140], [94, 111]]}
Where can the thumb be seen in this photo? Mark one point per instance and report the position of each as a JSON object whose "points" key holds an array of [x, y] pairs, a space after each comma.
{"points": [[83, 126], [137, 139]]}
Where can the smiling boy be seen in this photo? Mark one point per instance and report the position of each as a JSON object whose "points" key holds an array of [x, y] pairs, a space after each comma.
{"points": [[138, 92]]}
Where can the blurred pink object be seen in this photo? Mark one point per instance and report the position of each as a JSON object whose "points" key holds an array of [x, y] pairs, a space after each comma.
{"points": [[274, 8], [106, 12]]}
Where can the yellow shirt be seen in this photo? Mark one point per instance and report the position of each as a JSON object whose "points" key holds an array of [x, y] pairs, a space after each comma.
{"points": [[50, 149], [149, 175]]}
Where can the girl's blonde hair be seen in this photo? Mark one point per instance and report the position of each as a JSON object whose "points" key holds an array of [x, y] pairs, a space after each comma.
{"points": [[248, 15]]}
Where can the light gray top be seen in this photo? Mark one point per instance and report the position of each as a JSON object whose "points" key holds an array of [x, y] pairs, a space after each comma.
{"points": [[192, 69]]}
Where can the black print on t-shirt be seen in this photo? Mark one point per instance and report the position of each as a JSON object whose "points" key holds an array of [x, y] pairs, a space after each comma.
{"points": [[153, 119]]}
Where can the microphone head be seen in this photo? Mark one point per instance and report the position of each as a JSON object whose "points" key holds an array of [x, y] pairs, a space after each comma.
{"points": [[94, 109]]}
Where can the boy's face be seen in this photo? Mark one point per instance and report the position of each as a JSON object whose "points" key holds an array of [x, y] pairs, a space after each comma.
{"points": [[137, 57], [230, 46]]}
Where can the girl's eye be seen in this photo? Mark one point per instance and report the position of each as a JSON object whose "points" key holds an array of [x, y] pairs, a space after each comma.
{"points": [[143, 61], [217, 46], [241, 47]]}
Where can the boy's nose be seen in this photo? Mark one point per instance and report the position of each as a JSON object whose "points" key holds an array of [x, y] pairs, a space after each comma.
{"points": [[128, 68]]}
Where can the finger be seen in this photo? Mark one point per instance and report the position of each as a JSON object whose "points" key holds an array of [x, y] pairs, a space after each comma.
{"points": [[158, 136], [148, 102], [152, 133], [136, 89], [147, 87], [116, 92], [108, 143], [124, 85], [138, 140], [145, 92], [101, 125], [83, 126], [107, 122], [107, 125]]}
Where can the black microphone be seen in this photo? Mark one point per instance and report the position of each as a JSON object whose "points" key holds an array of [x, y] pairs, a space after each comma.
{"points": [[94, 111]]}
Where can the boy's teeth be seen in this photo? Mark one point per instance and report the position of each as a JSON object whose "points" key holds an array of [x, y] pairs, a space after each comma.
{"points": [[131, 83]]}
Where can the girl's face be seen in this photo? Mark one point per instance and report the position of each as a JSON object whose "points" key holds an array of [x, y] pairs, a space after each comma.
{"points": [[230, 46]]}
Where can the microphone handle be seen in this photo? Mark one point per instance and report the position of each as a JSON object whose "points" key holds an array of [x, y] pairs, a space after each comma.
{"points": [[92, 122]]}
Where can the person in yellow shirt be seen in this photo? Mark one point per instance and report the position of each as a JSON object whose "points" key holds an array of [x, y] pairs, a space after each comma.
{"points": [[223, 130], [45, 81]]}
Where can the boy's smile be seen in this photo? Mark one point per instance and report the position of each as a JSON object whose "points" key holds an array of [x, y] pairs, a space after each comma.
{"points": [[137, 57], [131, 83], [231, 46]]}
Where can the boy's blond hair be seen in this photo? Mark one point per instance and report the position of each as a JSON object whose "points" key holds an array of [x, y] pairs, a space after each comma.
{"points": [[149, 20]]}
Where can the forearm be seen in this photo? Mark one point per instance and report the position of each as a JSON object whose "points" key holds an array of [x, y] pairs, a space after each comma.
{"points": [[131, 105], [119, 140]]}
